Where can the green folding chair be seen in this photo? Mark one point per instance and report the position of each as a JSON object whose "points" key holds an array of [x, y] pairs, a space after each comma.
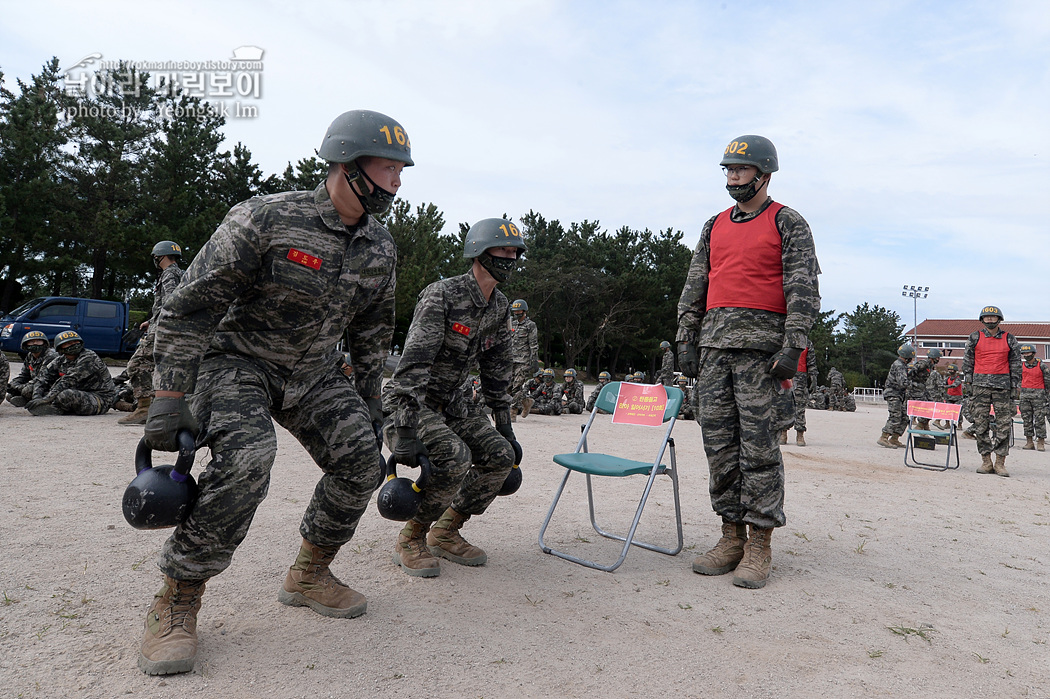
{"points": [[608, 465]]}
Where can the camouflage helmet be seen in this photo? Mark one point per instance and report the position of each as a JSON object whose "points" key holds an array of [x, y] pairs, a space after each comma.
{"points": [[33, 335], [519, 305], [990, 311], [568, 373], [361, 133], [906, 351], [752, 150], [605, 375], [1027, 349], [494, 233], [166, 247], [665, 345], [934, 354], [66, 337]]}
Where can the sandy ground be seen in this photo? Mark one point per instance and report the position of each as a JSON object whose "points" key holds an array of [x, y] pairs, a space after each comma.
{"points": [[887, 582]]}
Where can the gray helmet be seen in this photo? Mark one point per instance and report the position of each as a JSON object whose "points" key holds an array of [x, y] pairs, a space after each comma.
{"points": [[934, 354], [568, 373], [605, 375], [494, 233], [665, 345], [166, 247], [990, 311], [519, 305], [69, 337], [906, 351], [682, 380], [360, 134], [33, 335], [1026, 349], [752, 150]]}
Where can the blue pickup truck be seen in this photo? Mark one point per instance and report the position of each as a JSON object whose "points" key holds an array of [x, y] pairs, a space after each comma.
{"points": [[102, 324]]}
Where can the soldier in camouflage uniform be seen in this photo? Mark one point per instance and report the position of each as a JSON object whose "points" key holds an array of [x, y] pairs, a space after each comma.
{"points": [[992, 371], [603, 378], [571, 393], [166, 256], [250, 333], [5, 373], [666, 373], [804, 382], [38, 355], [750, 299], [935, 386], [1035, 389], [688, 410], [895, 393], [458, 322], [546, 398], [918, 374], [78, 382], [837, 389], [526, 355]]}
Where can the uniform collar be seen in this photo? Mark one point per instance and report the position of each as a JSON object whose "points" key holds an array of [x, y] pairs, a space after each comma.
{"points": [[475, 291], [330, 216]]}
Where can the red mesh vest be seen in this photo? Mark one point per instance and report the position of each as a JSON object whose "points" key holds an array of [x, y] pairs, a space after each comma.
{"points": [[991, 355], [746, 266], [1032, 376]]}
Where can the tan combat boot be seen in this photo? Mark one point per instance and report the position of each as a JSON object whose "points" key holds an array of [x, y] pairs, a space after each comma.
{"points": [[526, 406], [783, 438], [412, 553], [884, 441], [1000, 466], [986, 464], [445, 540], [170, 642], [753, 571], [1029, 444], [139, 416], [726, 554], [895, 440], [1040, 444], [310, 583], [800, 440]]}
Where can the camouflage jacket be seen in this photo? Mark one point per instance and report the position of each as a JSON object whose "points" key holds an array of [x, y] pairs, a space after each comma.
{"points": [[546, 392], [836, 379], [593, 398], [749, 328], [526, 343], [936, 388], [453, 329], [32, 366], [85, 372], [571, 392], [918, 374], [667, 365], [168, 280], [276, 286], [897, 380], [1007, 381]]}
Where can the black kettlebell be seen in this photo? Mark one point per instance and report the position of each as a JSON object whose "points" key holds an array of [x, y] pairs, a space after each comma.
{"points": [[513, 482], [163, 496], [399, 498]]}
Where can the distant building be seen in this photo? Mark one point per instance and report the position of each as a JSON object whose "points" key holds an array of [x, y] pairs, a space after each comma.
{"points": [[950, 337]]}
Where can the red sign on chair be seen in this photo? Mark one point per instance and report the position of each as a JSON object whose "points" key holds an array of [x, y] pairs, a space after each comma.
{"points": [[640, 404], [930, 410]]}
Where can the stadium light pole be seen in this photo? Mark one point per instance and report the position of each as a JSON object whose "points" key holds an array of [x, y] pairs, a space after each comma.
{"points": [[916, 293]]}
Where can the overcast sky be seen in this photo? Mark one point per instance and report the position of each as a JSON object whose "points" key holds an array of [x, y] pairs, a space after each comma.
{"points": [[913, 136]]}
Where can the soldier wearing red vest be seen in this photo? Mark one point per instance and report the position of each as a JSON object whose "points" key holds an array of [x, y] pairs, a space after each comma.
{"points": [[992, 370], [1035, 389], [804, 383], [749, 301]]}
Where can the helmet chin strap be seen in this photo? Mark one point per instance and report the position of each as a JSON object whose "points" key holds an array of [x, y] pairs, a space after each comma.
{"points": [[375, 202], [744, 193]]}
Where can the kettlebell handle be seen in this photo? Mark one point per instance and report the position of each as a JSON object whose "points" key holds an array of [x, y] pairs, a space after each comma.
{"points": [[183, 463], [390, 471]]}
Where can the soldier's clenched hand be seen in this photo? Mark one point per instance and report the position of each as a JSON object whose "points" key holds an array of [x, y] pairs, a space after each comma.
{"points": [[687, 359]]}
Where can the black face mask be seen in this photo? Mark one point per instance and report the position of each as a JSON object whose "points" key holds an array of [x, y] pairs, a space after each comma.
{"points": [[37, 350], [745, 192], [375, 202], [991, 326], [499, 267]]}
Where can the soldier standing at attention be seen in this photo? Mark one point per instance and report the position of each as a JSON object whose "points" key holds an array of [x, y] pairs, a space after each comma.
{"points": [[166, 256], [38, 355], [78, 382], [526, 355], [666, 373], [250, 333], [1035, 388], [750, 299], [992, 372], [895, 393], [458, 322]]}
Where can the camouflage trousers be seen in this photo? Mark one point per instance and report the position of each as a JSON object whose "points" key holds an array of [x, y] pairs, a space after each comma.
{"points": [[517, 382], [982, 399], [784, 407], [801, 391], [5, 374], [234, 410], [547, 406], [573, 407], [469, 461], [140, 366], [897, 421], [837, 399], [736, 413], [1033, 412], [72, 401]]}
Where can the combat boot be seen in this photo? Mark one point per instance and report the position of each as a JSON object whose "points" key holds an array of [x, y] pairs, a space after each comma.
{"points": [[726, 554], [1040, 444], [1000, 466], [445, 540], [986, 464], [412, 553], [170, 642], [310, 583], [800, 440], [526, 406], [17, 401], [1029, 444], [124, 406], [884, 441], [895, 440], [783, 439], [753, 571], [139, 416]]}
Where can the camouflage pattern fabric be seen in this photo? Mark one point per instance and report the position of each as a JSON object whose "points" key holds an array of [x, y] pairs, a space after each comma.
{"points": [[666, 373], [982, 399], [837, 384], [32, 366], [952, 380], [518, 382], [1005, 381], [895, 391], [747, 470], [918, 374], [78, 386], [1033, 404], [572, 397], [526, 344], [688, 409], [235, 409], [140, 366], [547, 399], [936, 388], [897, 421], [801, 384], [257, 316], [5, 374], [593, 398]]}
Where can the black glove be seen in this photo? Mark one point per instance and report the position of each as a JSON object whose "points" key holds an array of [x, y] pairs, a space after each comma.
{"points": [[687, 359], [375, 414], [13, 392], [166, 417], [784, 363], [37, 402], [502, 419], [408, 448]]}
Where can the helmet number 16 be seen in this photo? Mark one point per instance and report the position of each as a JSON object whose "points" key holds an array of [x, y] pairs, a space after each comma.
{"points": [[512, 232], [399, 135]]}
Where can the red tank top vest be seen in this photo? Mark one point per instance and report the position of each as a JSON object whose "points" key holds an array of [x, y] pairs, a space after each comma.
{"points": [[801, 368], [1032, 376], [746, 266], [992, 355], [954, 386]]}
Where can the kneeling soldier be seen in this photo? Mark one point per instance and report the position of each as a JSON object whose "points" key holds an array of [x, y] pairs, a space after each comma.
{"points": [[78, 382]]}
